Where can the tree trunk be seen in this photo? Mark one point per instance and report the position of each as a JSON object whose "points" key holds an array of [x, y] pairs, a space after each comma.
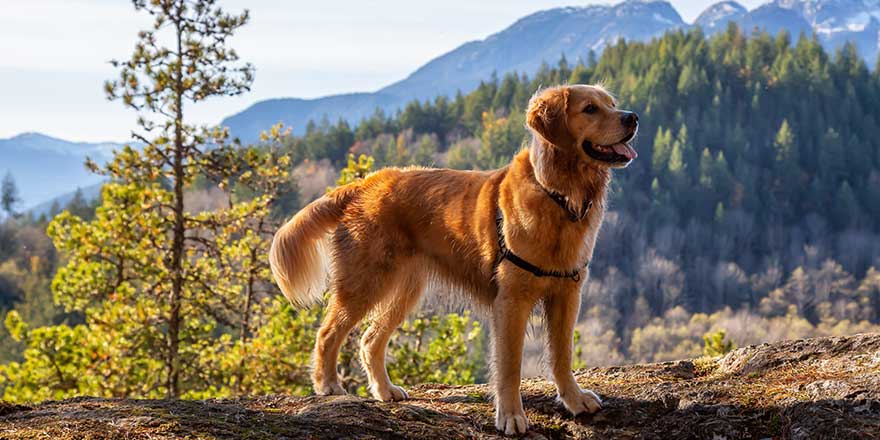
{"points": [[172, 362], [246, 315]]}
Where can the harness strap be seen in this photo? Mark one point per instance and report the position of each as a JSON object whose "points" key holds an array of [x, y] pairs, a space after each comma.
{"points": [[573, 215], [504, 253]]}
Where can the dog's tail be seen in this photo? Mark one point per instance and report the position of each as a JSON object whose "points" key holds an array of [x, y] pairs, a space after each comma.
{"points": [[298, 256]]}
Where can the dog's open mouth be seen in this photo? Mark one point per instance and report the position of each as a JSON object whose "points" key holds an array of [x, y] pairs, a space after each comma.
{"points": [[620, 152]]}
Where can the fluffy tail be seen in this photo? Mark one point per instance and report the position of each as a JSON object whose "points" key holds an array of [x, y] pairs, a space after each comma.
{"points": [[298, 256]]}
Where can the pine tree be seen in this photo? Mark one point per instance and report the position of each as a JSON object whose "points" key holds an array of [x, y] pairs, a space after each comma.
{"points": [[845, 207], [706, 170], [719, 213], [79, 206], [146, 253], [662, 150], [786, 159], [676, 165], [832, 157], [716, 344], [461, 157], [160, 80], [425, 149], [688, 151], [9, 195]]}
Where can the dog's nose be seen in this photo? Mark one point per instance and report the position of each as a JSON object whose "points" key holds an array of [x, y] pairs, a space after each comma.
{"points": [[629, 119]]}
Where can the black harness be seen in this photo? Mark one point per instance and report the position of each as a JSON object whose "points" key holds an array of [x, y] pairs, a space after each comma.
{"points": [[504, 253]]}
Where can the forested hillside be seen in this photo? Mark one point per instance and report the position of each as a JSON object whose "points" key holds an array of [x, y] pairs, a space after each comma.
{"points": [[757, 185], [750, 216], [521, 47]]}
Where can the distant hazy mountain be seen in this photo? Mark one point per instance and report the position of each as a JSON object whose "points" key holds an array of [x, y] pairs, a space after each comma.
{"points": [[572, 31], [536, 38], [773, 19], [45, 167], [716, 17], [296, 113], [833, 21], [838, 21], [89, 193], [769, 17], [522, 47]]}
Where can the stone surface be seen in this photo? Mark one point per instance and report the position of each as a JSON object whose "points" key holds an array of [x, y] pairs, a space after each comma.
{"points": [[806, 389]]}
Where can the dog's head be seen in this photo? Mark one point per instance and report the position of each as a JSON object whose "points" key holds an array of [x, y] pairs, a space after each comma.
{"points": [[586, 119]]}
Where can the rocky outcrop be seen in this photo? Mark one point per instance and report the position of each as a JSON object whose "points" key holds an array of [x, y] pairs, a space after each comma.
{"points": [[806, 389]]}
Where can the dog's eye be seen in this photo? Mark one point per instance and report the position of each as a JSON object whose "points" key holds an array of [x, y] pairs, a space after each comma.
{"points": [[590, 108]]}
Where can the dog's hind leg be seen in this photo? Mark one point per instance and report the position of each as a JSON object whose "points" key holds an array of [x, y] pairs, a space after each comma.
{"points": [[356, 289], [388, 317], [341, 316]]}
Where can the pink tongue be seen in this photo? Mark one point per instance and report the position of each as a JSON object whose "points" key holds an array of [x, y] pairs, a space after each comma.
{"points": [[625, 150]]}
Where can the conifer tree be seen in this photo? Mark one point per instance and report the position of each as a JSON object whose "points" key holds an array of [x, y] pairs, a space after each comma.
{"points": [[845, 206], [786, 155], [9, 195], [152, 278], [706, 170], [161, 80], [662, 149]]}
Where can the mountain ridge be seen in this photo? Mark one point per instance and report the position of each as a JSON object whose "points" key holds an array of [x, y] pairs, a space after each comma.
{"points": [[522, 47], [471, 62], [545, 35], [45, 167]]}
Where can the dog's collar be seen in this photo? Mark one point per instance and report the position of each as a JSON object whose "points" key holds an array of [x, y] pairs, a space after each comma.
{"points": [[562, 201], [504, 253]]}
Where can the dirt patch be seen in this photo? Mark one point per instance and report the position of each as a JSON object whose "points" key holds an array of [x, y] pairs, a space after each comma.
{"points": [[814, 388]]}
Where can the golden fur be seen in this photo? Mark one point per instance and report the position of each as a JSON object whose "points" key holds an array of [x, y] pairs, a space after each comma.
{"points": [[386, 236]]}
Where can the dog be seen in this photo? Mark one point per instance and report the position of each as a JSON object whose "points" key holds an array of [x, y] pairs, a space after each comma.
{"points": [[511, 238]]}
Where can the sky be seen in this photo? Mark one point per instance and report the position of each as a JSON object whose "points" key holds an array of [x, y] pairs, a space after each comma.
{"points": [[54, 53]]}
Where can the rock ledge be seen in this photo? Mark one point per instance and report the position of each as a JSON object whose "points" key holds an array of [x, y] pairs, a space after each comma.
{"points": [[805, 389]]}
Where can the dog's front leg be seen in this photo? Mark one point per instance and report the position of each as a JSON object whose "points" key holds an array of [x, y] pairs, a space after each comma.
{"points": [[510, 314], [561, 311]]}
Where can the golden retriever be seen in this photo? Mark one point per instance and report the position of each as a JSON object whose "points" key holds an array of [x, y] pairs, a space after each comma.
{"points": [[511, 238]]}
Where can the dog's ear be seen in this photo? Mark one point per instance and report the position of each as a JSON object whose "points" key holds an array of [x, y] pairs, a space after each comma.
{"points": [[546, 115]]}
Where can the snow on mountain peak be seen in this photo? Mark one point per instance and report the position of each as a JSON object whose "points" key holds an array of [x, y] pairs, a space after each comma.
{"points": [[719, 14]]}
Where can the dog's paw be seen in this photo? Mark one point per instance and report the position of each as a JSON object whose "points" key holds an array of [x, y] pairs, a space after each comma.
{"points": [[392, 394], [511, 423], [580, 401], [330, 389]]}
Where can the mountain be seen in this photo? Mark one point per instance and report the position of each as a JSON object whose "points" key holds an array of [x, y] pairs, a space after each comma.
{"points": [[834, 22], [716, 17], [540, 37], [867, 40], [770, 17], [295, 112], [522, 47], [88, 193], [536, 38], [829, 16], [774, 19], [571, 31], [45, 167], [838, 21]]}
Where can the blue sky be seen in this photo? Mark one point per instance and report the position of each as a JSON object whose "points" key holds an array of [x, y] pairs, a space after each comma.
{"points": [[55, 52]]}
